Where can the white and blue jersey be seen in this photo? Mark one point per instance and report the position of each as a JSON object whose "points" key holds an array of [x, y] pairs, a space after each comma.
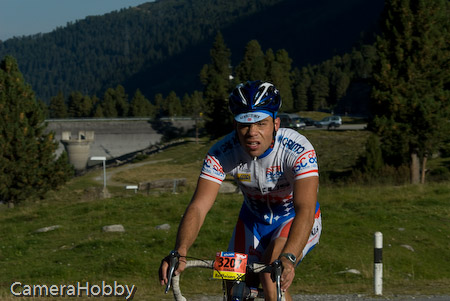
{"points": [[267, 183]]}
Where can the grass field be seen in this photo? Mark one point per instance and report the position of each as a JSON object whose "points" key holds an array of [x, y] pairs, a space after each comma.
{"points": [[415, 222]]}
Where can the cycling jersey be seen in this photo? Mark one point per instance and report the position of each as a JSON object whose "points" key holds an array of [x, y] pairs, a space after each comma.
{"points": [[266, 182]]}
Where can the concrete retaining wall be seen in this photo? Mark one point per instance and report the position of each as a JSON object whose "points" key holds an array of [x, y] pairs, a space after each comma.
{"points": [[117, 137]]}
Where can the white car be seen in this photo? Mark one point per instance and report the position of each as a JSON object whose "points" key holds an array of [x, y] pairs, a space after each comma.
{"points": [[329, 122]]}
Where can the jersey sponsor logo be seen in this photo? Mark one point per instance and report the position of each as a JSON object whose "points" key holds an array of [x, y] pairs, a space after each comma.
{"points": [[244, 177], [211, 166], [273, 173], [292, 145], [307, 161], [243, 168], [315, 230]]}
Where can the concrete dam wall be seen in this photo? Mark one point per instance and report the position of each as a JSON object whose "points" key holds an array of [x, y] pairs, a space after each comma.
{"points": [[114, 137]]}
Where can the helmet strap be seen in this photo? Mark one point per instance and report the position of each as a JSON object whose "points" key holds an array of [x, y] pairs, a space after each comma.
{"points": [[274, 132]]}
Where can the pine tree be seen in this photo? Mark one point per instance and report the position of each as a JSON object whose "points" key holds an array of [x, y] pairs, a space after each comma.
{"points": [[216, 80], [411, 82], [108, 105], [79, 105], [121, 101], [159, 105], [173, 104], [98, 111], [57, 107], [280, 74], [320, 90], [141, 106], [303, 82], [252, 67], [193, 106], [371, 162], [28, 165]]}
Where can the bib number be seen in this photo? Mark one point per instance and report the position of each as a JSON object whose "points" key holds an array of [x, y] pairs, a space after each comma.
{"points": [[230, 266]]}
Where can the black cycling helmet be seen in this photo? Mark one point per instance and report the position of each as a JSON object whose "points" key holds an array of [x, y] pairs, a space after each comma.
{"points": [[254, 101]]}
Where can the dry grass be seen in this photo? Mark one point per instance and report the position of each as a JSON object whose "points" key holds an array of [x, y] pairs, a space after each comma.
{"points": [[156, 171]]}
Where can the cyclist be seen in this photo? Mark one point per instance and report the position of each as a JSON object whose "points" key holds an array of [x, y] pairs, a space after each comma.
{"points": [[277, 172]]}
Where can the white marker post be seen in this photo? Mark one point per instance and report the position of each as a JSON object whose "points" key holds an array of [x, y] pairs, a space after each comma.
{"points": [[104, 168], [378, 263], [133, 187]]}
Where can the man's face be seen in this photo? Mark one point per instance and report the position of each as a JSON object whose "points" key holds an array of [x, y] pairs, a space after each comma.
{"points": [[257, 137]]}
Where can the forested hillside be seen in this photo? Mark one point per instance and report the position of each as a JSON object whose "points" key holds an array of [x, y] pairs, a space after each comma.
{"points": [[161, 46]]}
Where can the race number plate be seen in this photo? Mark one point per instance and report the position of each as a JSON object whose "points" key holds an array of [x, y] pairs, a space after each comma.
{"points": [[230, 266]]}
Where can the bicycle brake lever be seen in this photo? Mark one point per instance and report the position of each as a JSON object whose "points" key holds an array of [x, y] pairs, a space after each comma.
{"points": [[173, 258], [276, 276]]}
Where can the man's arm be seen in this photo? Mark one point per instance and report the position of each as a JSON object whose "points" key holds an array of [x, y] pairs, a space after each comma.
{"points": [[195, 214], [193, 218], [305, 198]]}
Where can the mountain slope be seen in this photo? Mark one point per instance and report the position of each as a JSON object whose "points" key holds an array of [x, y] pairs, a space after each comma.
{"points": [[161, 46]]}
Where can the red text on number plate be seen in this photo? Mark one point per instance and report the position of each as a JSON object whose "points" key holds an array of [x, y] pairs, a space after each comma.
{"points": [[230, 265]]}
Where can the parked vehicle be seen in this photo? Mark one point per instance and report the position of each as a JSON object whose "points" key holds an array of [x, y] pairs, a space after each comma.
{"points": [[291, 121], [330, 122], [308, 121]]}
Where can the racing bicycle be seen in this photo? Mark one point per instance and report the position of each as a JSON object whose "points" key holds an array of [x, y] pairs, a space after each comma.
{"points": [[228, 266]]}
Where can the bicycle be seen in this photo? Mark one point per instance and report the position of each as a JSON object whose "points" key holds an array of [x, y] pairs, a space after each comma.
{"points": [[228, 266]]}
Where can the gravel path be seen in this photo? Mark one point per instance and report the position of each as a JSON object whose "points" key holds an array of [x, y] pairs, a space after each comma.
{"points": [[354, 297], [361, 297]]}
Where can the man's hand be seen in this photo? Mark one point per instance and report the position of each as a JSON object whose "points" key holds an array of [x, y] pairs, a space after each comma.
{"points": [[163, 271], [164, 267], [288, 274]]}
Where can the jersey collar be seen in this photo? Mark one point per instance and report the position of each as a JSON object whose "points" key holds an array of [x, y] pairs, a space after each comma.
{"points": [[268, 151]]}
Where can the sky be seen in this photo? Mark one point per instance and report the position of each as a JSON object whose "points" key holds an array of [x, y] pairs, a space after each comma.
{"points": [[27, 17]]}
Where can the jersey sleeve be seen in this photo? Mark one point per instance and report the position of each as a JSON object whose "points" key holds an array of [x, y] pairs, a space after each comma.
{"points": [[212, 169], [305, 164]]}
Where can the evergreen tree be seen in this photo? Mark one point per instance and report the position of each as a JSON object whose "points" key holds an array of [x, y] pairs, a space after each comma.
{"points": [[252, 67], [74, 103], [44, 108], [28, 165], [411, 82], [173, 104], [141, 106], [280, 74], [159, 105], [371, 162], [340, 81], [370, 56], [98, 111], [121, 101], [57, 107], [194, 106], [216, 80], [79, 105], [302, 81], [320, 90], [95, 106], [108, 105]]}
